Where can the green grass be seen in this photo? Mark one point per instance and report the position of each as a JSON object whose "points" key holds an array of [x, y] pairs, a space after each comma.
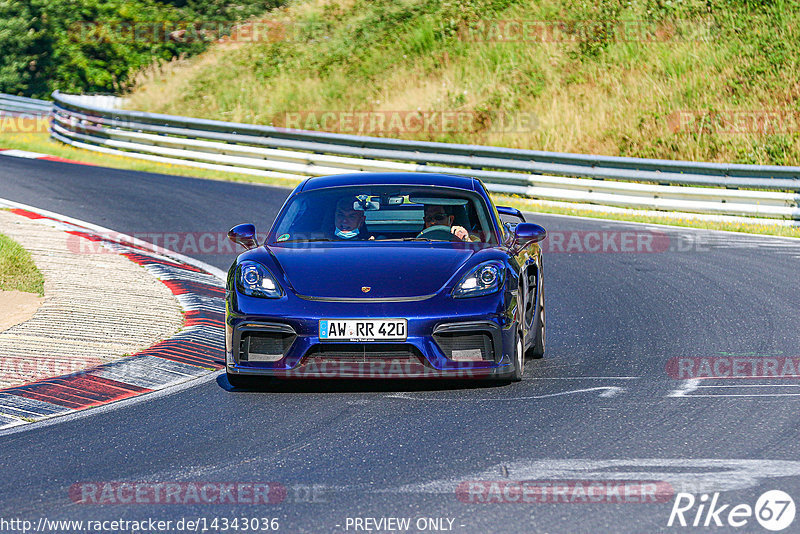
{"points": [[597, 92], [17, 270]]}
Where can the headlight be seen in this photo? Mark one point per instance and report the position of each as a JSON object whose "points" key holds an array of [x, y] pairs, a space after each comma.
{"points": [[484, 279], [255, 280]]}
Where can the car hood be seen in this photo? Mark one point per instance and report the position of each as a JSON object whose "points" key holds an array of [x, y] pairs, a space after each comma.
{"points": [[389, 271]]}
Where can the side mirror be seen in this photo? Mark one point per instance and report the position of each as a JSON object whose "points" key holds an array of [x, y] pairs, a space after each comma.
{"points": [[512, 212], [527, 233], [243, 234]]}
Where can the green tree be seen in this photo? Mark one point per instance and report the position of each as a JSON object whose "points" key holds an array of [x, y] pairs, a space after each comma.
{"points": [[91, 46], [22, 38]]}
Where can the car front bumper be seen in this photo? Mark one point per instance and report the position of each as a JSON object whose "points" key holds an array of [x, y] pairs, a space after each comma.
{"points": [[443, 336]]}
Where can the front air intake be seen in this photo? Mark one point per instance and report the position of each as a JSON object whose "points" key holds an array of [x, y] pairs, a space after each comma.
{"points": [[265, 346], [466, 346]]}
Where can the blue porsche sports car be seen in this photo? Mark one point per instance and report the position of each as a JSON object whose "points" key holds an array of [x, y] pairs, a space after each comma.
{"points": [[386, 275]]}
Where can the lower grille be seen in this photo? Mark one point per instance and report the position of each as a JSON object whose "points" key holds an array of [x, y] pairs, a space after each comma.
{"points": [[466, 346], [265, 346], [346, 352]]}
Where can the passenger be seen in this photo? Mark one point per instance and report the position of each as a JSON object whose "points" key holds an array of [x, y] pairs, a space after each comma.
{"points": [[349, 222]]}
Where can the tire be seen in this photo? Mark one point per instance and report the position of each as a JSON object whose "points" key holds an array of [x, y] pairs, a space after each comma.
{"points": [[238, 381], [519, 360], [536, 350]]}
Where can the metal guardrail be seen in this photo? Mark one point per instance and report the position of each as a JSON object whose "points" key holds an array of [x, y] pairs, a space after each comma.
{"points": [[22, 105], [101, 101], [726, 189]]}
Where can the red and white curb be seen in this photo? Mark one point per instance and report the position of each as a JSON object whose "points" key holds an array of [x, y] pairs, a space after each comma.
{"points": [[196, 350], [35, 155]]}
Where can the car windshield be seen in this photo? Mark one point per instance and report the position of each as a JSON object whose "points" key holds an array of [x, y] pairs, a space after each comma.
{"points": [[384, 213]]}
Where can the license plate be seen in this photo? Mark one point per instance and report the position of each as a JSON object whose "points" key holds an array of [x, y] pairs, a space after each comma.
{"points": [[363, 330]]}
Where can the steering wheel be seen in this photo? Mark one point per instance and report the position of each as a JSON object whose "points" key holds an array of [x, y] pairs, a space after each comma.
{"points": [[439, 232]]}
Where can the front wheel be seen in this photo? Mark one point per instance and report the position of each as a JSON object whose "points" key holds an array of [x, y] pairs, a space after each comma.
{"points": [[537, 349]]}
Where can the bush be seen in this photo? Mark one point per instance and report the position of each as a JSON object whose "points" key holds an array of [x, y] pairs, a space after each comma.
{"points": [[87, 46]]}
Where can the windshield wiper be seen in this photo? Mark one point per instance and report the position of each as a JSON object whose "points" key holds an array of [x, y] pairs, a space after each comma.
{"points": [[305, 240]]}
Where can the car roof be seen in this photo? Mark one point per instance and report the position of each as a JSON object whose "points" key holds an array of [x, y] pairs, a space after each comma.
{"points": [[390, 178]]}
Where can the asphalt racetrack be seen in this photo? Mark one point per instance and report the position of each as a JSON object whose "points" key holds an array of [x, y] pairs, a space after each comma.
{"points": [[611, 403]]}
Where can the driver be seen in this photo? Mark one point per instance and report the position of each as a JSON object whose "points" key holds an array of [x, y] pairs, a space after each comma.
{"points": [[436, 215], [349, 222]]}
